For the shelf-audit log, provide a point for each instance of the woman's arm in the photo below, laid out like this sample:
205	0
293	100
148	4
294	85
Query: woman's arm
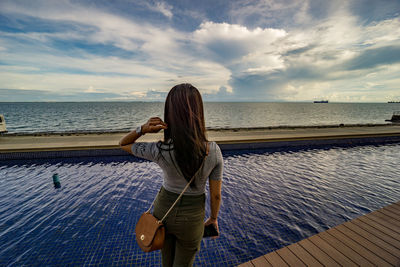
215	202
153	125
127	141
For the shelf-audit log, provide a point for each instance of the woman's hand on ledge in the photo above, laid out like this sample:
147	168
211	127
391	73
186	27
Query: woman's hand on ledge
153	125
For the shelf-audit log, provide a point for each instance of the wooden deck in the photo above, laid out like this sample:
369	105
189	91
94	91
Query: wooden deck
370	240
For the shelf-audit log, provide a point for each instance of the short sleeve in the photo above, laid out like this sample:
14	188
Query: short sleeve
217	171
147	151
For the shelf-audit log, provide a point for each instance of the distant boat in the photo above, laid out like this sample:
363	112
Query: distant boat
393	101
321	101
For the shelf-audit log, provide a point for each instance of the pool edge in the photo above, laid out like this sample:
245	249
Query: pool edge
243	144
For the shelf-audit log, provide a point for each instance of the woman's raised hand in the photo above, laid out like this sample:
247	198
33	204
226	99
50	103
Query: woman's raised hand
153	125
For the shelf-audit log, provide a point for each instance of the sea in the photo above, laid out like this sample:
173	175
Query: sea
62	117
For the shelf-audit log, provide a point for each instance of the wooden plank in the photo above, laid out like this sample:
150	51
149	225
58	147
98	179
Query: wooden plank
381	235
383	228
302	254
321	256
275	260
383	219
395	215
345	250
372	257
260	262
370	240
378	241
289	257
394	210
367	244
390	214
246	264
331	251
395	205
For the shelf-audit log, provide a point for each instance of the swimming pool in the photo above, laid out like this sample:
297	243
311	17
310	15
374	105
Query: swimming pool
270	199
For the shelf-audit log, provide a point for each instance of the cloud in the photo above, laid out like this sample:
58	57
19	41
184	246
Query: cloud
95	25
230	42
223	94
255	87
300	50
374	57
371	11
18	95
288	14
331	59
161	7
156	95
256	50
154	49
262	13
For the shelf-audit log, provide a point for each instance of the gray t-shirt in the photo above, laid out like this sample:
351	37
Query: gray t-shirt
173	179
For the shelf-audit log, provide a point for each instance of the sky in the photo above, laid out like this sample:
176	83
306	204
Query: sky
246	50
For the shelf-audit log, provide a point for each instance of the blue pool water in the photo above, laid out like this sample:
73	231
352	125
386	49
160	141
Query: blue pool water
270	199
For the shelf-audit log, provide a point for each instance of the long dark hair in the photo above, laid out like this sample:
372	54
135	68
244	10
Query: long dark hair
184	116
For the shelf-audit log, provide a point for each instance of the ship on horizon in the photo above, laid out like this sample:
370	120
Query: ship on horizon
321	101
393	101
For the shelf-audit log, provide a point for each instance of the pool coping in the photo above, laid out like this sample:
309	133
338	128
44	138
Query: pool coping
81	145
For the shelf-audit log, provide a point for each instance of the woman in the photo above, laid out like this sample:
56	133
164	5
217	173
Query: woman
180	156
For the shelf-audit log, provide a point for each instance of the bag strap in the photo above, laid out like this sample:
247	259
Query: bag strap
184	190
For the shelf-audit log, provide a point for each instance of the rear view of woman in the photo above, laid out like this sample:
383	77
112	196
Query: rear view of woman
184	153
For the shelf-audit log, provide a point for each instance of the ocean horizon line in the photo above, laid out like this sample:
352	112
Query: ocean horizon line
205	101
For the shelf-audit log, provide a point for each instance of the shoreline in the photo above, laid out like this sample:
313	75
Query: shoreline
226	129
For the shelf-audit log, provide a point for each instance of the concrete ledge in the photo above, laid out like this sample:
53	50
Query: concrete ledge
240	144
106	144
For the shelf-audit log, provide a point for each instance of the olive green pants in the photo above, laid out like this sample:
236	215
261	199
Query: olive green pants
184	227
